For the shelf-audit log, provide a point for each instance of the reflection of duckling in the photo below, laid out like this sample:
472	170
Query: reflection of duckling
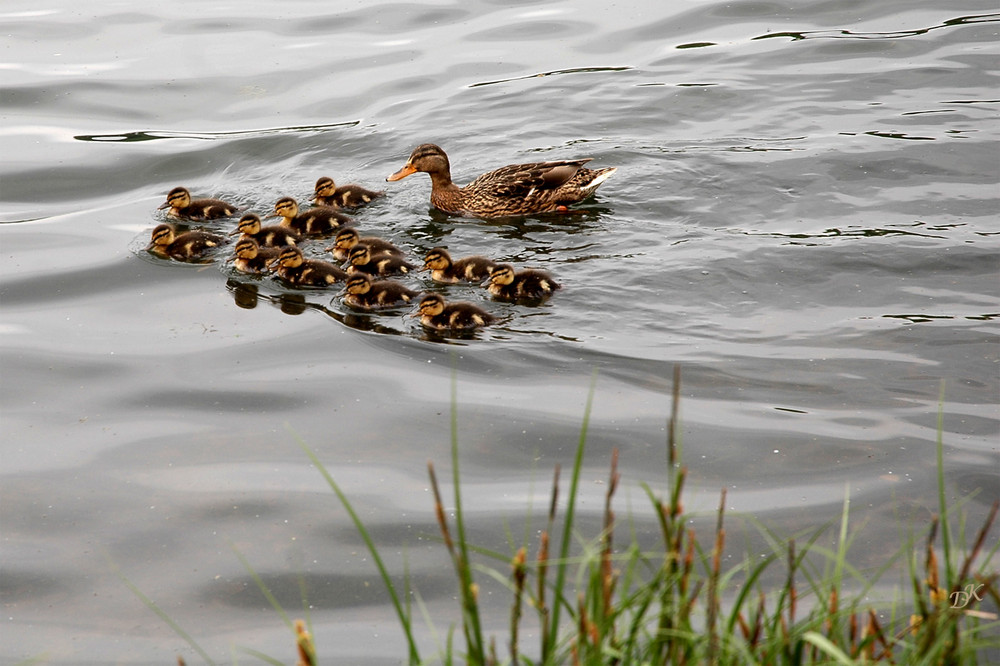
313	222
437	314
532	285
443	269
368	294
272	236
187	246
349	237
181	205
250	257
345	196
363	261
295	269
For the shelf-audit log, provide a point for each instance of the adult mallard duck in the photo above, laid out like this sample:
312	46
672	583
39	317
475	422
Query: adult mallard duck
457	316
312	222
328	193
186	246
276	235
518	189
295	269
364	293
347	238
181	205
466	269
530	285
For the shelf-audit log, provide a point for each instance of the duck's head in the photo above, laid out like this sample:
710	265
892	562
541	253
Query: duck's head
246	248
431	305
325	187
285	207
290	257
162	236
501	274
357	284
346	239
178	197
437	259
359	255
427	158
249	224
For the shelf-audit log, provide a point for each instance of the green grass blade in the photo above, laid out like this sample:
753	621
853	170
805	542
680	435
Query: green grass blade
828	648
263	587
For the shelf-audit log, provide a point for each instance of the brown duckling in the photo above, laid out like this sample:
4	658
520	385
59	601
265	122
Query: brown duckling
186	246
518	189
250	257
364	261
295	269
526	285
466	269
440	315
181	205
367	294
313	222
272	236
347	238
328	193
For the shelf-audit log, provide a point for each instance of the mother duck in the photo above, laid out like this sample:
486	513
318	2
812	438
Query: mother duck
517	189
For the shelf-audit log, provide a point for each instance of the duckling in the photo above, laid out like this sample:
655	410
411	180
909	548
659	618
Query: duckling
250	257
186	246
468	269
349	237
295	269
344	196
273	236
364	261
367	294
435	313
313	222
530	285
181	205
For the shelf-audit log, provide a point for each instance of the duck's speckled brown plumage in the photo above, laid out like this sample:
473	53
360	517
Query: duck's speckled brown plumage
186	246
518	189
364	293
272	236
467	269
311	222
527	285
328	193
181	205
457	316
295	269
348	238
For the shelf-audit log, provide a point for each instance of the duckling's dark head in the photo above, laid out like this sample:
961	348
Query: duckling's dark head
358	283
179	197
249	224
437	259
431	305
163	234
286	207
246	248
360	255
502	274
325	186
290	257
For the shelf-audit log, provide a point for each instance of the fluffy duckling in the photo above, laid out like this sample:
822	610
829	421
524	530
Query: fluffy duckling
347	238
344	196
250	257
181	204
466	269
363	260
366	294
295	269
186	246
272	236
313	222
458	316
527	285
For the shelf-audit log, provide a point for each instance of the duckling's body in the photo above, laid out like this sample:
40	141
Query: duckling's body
250	257
364	261
367	294
466	269
349	237
271	236
328	193
296	270
317	221
457	316
181	205
186	246
506	284
518	189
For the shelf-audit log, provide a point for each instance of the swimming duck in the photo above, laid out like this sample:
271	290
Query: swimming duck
273	236
250	257
181	205
526	285
518	189
186	246
313	222
364	261
295	269
347	238
367	294
467	269
345	196
435	313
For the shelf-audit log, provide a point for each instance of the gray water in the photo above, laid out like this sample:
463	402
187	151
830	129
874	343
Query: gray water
804	218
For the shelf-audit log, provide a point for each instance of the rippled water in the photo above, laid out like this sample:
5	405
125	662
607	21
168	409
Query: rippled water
804	218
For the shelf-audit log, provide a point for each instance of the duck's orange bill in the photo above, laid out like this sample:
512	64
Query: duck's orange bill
402	173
